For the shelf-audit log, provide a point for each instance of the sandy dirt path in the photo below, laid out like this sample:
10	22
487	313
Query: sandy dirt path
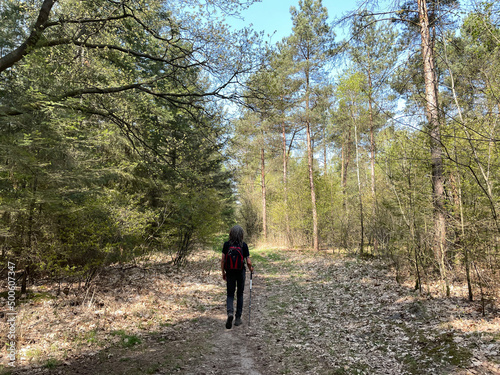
236	350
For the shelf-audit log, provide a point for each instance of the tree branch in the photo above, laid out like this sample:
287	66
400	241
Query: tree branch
88	20
128	51
16	55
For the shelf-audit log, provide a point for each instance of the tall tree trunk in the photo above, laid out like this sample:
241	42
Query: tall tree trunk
372	162
343	241
343	173
361	214
458	195
310	162
285	184
324	152
346	154
263	184
311	185
432	112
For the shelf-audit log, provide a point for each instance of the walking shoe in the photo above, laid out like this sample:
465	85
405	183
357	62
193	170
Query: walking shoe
237	322
229	322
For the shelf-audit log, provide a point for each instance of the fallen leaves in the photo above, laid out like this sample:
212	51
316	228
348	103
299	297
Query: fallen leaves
312	313
149	297
333	314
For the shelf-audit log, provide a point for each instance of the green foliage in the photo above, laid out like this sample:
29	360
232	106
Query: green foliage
51	363
110	143
127	341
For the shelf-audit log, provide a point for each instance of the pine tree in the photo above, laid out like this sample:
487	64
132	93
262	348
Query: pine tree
311	43
372	49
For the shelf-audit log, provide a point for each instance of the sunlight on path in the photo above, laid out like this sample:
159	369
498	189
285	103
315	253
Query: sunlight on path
233	351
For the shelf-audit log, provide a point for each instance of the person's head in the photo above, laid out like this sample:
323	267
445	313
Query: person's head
236	234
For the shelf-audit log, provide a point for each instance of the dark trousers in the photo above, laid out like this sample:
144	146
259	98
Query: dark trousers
235	282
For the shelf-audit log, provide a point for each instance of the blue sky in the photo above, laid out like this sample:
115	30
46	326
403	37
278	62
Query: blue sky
274	15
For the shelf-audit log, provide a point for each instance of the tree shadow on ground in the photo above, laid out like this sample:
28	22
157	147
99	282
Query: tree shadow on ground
170	351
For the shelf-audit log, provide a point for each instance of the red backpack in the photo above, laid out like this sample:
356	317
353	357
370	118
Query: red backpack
234	258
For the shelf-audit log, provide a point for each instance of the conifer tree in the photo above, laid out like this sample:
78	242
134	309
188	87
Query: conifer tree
311	43
372	49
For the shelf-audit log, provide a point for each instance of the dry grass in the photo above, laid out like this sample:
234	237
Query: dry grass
121	305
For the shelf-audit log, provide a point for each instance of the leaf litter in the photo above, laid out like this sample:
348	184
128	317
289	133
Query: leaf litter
312	313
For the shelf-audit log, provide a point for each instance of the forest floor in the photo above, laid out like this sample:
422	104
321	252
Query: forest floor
311	313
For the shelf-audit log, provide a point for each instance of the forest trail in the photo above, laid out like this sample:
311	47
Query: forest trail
234	351
312	313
